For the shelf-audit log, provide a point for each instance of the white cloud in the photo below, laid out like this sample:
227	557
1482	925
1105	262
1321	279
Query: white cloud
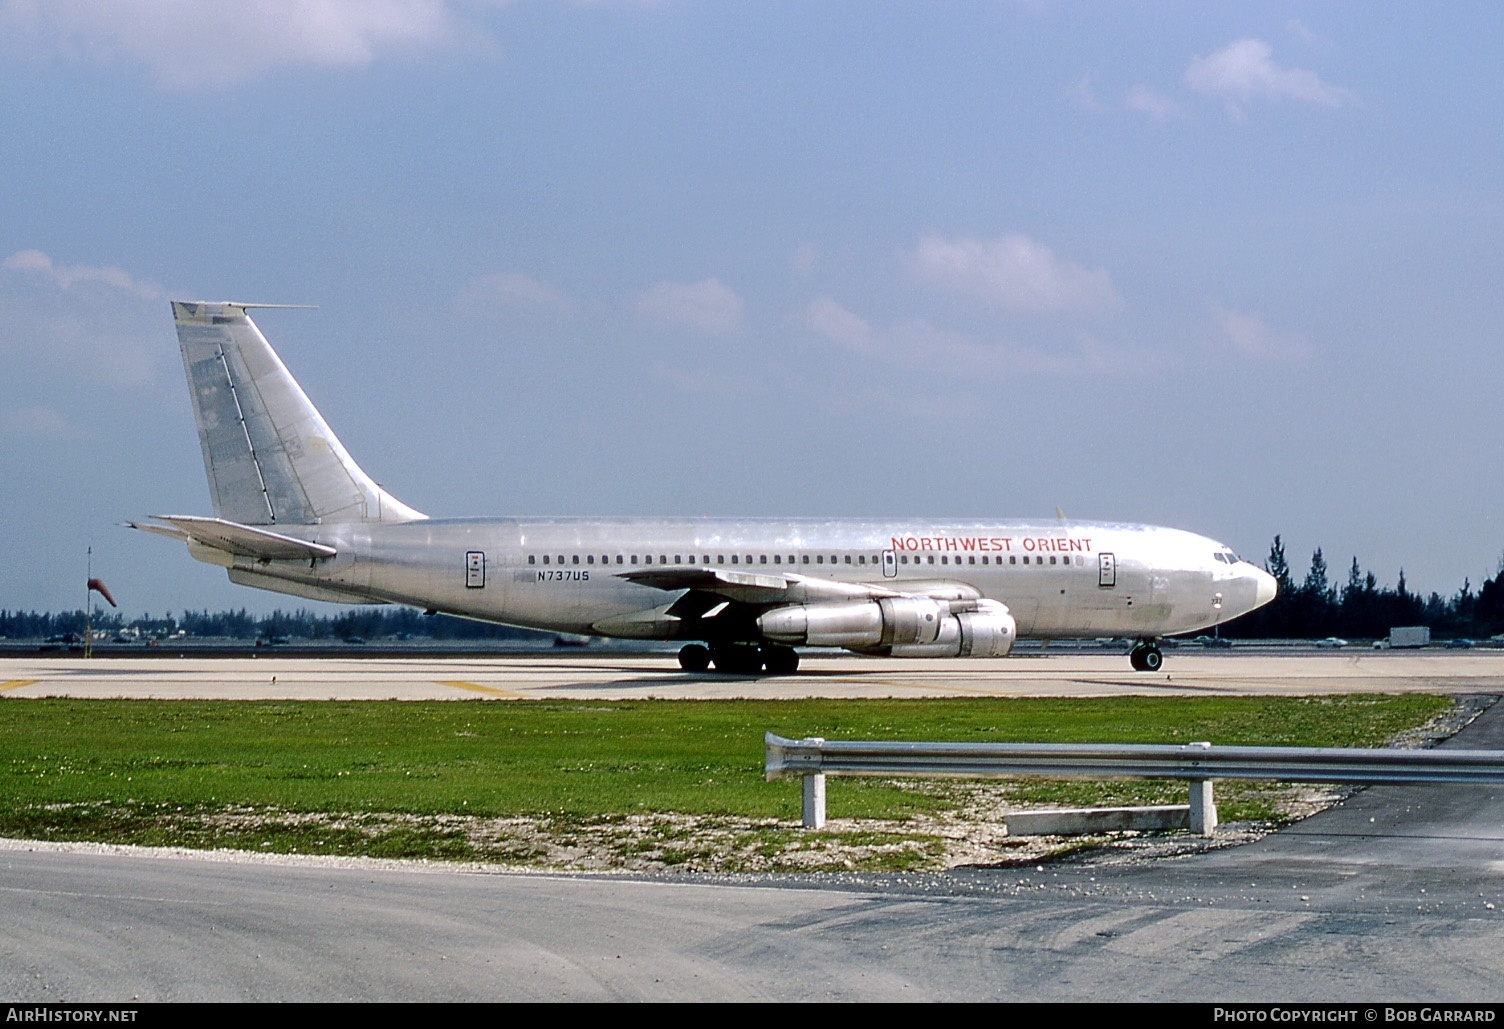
35	421
189	43
1083	94
1245	70
1013	272
829	319
518	291
1153	103
67	276
1246	334
1140	99
1298	30
98	322
919	344
708	306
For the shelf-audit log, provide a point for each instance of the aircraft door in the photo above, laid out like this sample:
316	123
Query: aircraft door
475	569
890	564
1107	571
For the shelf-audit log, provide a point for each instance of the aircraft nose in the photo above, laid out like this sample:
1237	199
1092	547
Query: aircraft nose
1264	587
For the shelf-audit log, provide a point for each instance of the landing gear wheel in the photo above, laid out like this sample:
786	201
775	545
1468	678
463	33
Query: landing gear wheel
737	659
694	657
780	660
1146	657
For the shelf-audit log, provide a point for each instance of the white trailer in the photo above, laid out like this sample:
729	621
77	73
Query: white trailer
1410	636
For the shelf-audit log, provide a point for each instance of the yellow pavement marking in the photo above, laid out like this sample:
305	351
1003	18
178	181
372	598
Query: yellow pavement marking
478	688
15	684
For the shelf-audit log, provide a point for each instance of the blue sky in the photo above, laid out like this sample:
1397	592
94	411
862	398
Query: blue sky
1232	268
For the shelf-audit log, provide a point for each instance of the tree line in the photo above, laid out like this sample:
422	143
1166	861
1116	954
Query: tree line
365	622
1317	607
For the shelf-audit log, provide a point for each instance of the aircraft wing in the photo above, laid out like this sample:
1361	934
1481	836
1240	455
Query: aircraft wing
234	538
761	588
749	587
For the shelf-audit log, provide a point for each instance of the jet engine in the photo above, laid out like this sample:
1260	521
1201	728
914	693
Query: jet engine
986	630
902	626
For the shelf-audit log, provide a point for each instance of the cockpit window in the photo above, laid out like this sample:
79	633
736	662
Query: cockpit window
1226	557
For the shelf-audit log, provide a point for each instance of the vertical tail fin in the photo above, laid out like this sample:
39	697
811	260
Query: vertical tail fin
270	456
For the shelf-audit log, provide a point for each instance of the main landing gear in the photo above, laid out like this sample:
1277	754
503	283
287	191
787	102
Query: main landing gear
740	658
1146	657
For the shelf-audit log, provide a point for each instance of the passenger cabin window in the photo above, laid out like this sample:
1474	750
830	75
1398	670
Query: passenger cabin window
531	560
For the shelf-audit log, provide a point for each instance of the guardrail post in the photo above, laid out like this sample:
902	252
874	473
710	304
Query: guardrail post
814	801
1203	808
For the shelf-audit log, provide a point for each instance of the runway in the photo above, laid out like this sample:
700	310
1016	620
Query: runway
1396	894
614	676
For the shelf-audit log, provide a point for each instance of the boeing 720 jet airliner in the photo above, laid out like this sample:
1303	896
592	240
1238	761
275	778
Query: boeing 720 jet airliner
295	514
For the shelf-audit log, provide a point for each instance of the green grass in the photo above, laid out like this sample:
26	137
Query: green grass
404	779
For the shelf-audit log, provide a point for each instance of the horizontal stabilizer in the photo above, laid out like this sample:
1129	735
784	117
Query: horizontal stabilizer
237	539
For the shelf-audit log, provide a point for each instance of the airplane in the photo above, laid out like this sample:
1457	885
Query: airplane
295	514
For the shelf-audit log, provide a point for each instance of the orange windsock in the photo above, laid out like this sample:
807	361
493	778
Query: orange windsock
103	591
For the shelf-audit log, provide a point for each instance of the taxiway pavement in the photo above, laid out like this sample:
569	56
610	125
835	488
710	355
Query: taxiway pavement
637	676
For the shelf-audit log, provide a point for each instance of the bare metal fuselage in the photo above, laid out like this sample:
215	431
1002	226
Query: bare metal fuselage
1158	582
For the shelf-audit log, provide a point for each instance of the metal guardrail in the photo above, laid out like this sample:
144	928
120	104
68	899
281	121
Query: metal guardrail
1198	763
